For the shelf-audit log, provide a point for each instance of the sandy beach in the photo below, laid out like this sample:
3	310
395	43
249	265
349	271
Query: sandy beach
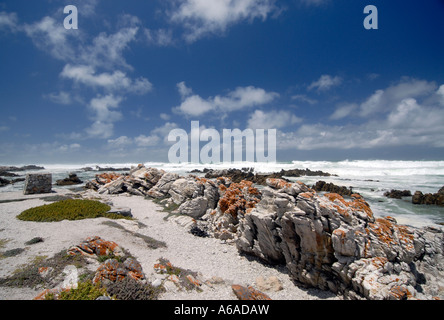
209	256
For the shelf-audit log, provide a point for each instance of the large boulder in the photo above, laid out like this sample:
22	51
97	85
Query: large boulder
38	183
162	187
185	188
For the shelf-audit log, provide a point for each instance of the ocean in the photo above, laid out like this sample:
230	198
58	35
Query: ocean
369	178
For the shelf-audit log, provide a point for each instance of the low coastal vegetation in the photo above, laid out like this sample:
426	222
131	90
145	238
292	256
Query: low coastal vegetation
70	209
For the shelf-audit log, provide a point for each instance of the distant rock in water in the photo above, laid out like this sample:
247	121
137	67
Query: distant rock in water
429	198
237	175
4	182
330	187
24	168
397	194
71	180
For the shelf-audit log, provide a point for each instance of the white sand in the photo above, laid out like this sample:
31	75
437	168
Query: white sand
208	256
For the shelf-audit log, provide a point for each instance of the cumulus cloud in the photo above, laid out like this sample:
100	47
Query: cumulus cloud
117	80
404	121
240	98
154	138
106	50
103	116
385	100
325	82
49	36
272	120
204	17
9	21
344	110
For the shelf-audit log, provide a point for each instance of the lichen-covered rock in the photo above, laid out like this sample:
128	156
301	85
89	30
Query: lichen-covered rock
234	202
96	246
114	270
37	183
248	293
334	244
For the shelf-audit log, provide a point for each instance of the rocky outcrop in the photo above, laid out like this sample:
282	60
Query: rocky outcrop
397	194
237	175
70	181
23	168
429	198
4	182
338	245
325	241
330	187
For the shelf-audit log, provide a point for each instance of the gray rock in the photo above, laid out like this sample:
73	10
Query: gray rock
38	183
163	186
194	208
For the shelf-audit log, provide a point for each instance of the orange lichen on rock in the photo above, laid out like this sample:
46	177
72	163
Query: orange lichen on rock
238	197
346	207
248	293
95	246
400	293
107	177
307	195
278	183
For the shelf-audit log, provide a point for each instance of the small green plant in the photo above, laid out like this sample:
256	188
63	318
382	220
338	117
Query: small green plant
85	291
70	209
11	253
34	241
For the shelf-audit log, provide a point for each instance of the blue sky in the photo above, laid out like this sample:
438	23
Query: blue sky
113	89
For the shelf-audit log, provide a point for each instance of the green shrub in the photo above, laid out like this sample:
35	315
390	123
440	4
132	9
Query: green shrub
71	209
85	291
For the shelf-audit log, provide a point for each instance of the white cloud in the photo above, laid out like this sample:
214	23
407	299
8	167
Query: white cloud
314	2
156	136
272	120
147	141
69	148
385	100
240	98
49	35
106	51
120	142
8	21
343	111
103	116
160	37
304	98
405	122
110	81
165	116
244	97
87	7
4	128
325	82
204	17
61	97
